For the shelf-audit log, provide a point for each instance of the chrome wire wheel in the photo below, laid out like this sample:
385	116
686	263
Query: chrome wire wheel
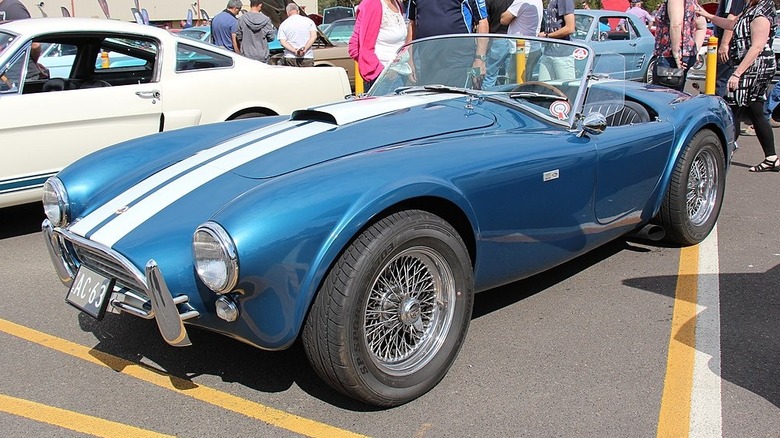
702	187
409	311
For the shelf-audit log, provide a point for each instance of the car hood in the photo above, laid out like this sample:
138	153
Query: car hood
333	131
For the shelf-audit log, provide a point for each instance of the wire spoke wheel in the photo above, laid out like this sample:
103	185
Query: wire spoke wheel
702	187
393	311
693	200
409	311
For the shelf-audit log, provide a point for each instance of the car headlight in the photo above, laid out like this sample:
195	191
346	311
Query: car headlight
55	202
216	259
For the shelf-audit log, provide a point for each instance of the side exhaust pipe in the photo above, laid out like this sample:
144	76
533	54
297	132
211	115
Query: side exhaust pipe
650	232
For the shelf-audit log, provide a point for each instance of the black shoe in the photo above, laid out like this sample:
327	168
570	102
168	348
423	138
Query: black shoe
767	166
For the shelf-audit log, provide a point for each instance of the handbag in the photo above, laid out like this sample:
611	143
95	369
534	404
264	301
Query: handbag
671	77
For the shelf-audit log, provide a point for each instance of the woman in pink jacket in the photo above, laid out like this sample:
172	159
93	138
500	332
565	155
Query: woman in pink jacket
380	30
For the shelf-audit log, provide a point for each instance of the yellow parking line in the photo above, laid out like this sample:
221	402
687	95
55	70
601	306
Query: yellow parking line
71	420
148	374
674	418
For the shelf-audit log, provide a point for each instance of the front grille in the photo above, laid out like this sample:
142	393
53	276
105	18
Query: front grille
109	265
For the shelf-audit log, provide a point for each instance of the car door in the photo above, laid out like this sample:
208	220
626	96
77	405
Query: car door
43	131
611	36
643	44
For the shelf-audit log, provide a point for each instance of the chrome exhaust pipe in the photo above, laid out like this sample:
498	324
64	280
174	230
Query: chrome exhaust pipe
651	232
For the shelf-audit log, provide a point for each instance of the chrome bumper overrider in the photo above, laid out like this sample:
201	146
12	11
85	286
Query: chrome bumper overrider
140	294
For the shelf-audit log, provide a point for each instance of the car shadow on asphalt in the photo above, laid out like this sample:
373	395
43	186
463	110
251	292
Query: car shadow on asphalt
21	219
138	341
494	299
749	315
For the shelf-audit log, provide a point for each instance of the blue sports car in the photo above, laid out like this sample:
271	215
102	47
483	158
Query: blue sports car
365	227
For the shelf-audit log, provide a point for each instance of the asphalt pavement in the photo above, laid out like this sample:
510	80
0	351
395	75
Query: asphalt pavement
586	349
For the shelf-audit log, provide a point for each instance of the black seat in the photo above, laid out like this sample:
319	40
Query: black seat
94	83
55	84
620	113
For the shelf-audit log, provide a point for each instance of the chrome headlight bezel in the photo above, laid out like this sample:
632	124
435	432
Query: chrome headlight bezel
215	257
55	202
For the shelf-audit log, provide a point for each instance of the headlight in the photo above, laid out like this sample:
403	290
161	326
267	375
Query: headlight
216	260
55	202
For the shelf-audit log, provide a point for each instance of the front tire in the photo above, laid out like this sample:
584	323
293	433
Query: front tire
692	202
393	312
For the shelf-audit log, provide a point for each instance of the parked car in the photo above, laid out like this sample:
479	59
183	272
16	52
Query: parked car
326	54
621	33
340	31
365	227
198	33
154	82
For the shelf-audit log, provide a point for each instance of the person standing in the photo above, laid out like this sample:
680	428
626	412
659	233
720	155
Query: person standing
499	49
558	24
675	45
728	9
380	30
225	25
297	34
450	65
636	9
254	32
13	10
524	18
751	51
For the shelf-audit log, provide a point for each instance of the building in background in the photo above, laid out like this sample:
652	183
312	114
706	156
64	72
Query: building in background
160	12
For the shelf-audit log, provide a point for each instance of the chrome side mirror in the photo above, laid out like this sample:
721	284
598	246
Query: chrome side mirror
594	123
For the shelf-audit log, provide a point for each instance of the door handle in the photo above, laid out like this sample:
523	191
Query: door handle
154	94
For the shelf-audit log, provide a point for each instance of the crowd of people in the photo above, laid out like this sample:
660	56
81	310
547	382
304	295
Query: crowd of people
745	28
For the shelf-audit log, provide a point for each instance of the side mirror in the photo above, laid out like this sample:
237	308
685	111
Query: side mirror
594	123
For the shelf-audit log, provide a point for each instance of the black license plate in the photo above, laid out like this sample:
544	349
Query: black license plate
90	292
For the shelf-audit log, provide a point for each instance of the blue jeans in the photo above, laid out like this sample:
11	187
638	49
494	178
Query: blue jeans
772	102
497	60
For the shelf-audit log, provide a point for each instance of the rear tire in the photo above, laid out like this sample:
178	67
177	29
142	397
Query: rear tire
693	201
249	115
393	312
650	71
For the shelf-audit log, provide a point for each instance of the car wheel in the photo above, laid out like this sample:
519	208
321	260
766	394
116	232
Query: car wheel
650	70
693	200
249	115
394	310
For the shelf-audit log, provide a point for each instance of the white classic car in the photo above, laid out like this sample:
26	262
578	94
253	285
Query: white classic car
155	82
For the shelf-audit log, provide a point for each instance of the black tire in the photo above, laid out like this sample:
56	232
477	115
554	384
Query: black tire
650	71
383	336
249	115
692	202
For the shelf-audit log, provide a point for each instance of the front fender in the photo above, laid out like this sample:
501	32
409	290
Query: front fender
286	246
707	113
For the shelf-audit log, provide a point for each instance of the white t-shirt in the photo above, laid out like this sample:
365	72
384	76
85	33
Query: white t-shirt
528	17
296	29
392	35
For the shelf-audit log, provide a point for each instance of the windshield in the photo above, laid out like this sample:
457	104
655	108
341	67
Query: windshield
544	75
5	40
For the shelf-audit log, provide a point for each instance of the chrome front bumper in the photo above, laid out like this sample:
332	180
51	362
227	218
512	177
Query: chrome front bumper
140	294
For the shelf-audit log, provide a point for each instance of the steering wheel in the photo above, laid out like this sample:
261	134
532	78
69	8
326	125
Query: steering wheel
540	87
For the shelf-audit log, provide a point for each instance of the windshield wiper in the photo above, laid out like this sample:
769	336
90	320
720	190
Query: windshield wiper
437	88
535	94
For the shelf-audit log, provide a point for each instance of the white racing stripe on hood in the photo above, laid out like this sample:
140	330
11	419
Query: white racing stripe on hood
359	109
169	193
125	199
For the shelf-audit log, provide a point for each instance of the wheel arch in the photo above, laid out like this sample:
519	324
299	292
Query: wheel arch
451	207
252	110
709	122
